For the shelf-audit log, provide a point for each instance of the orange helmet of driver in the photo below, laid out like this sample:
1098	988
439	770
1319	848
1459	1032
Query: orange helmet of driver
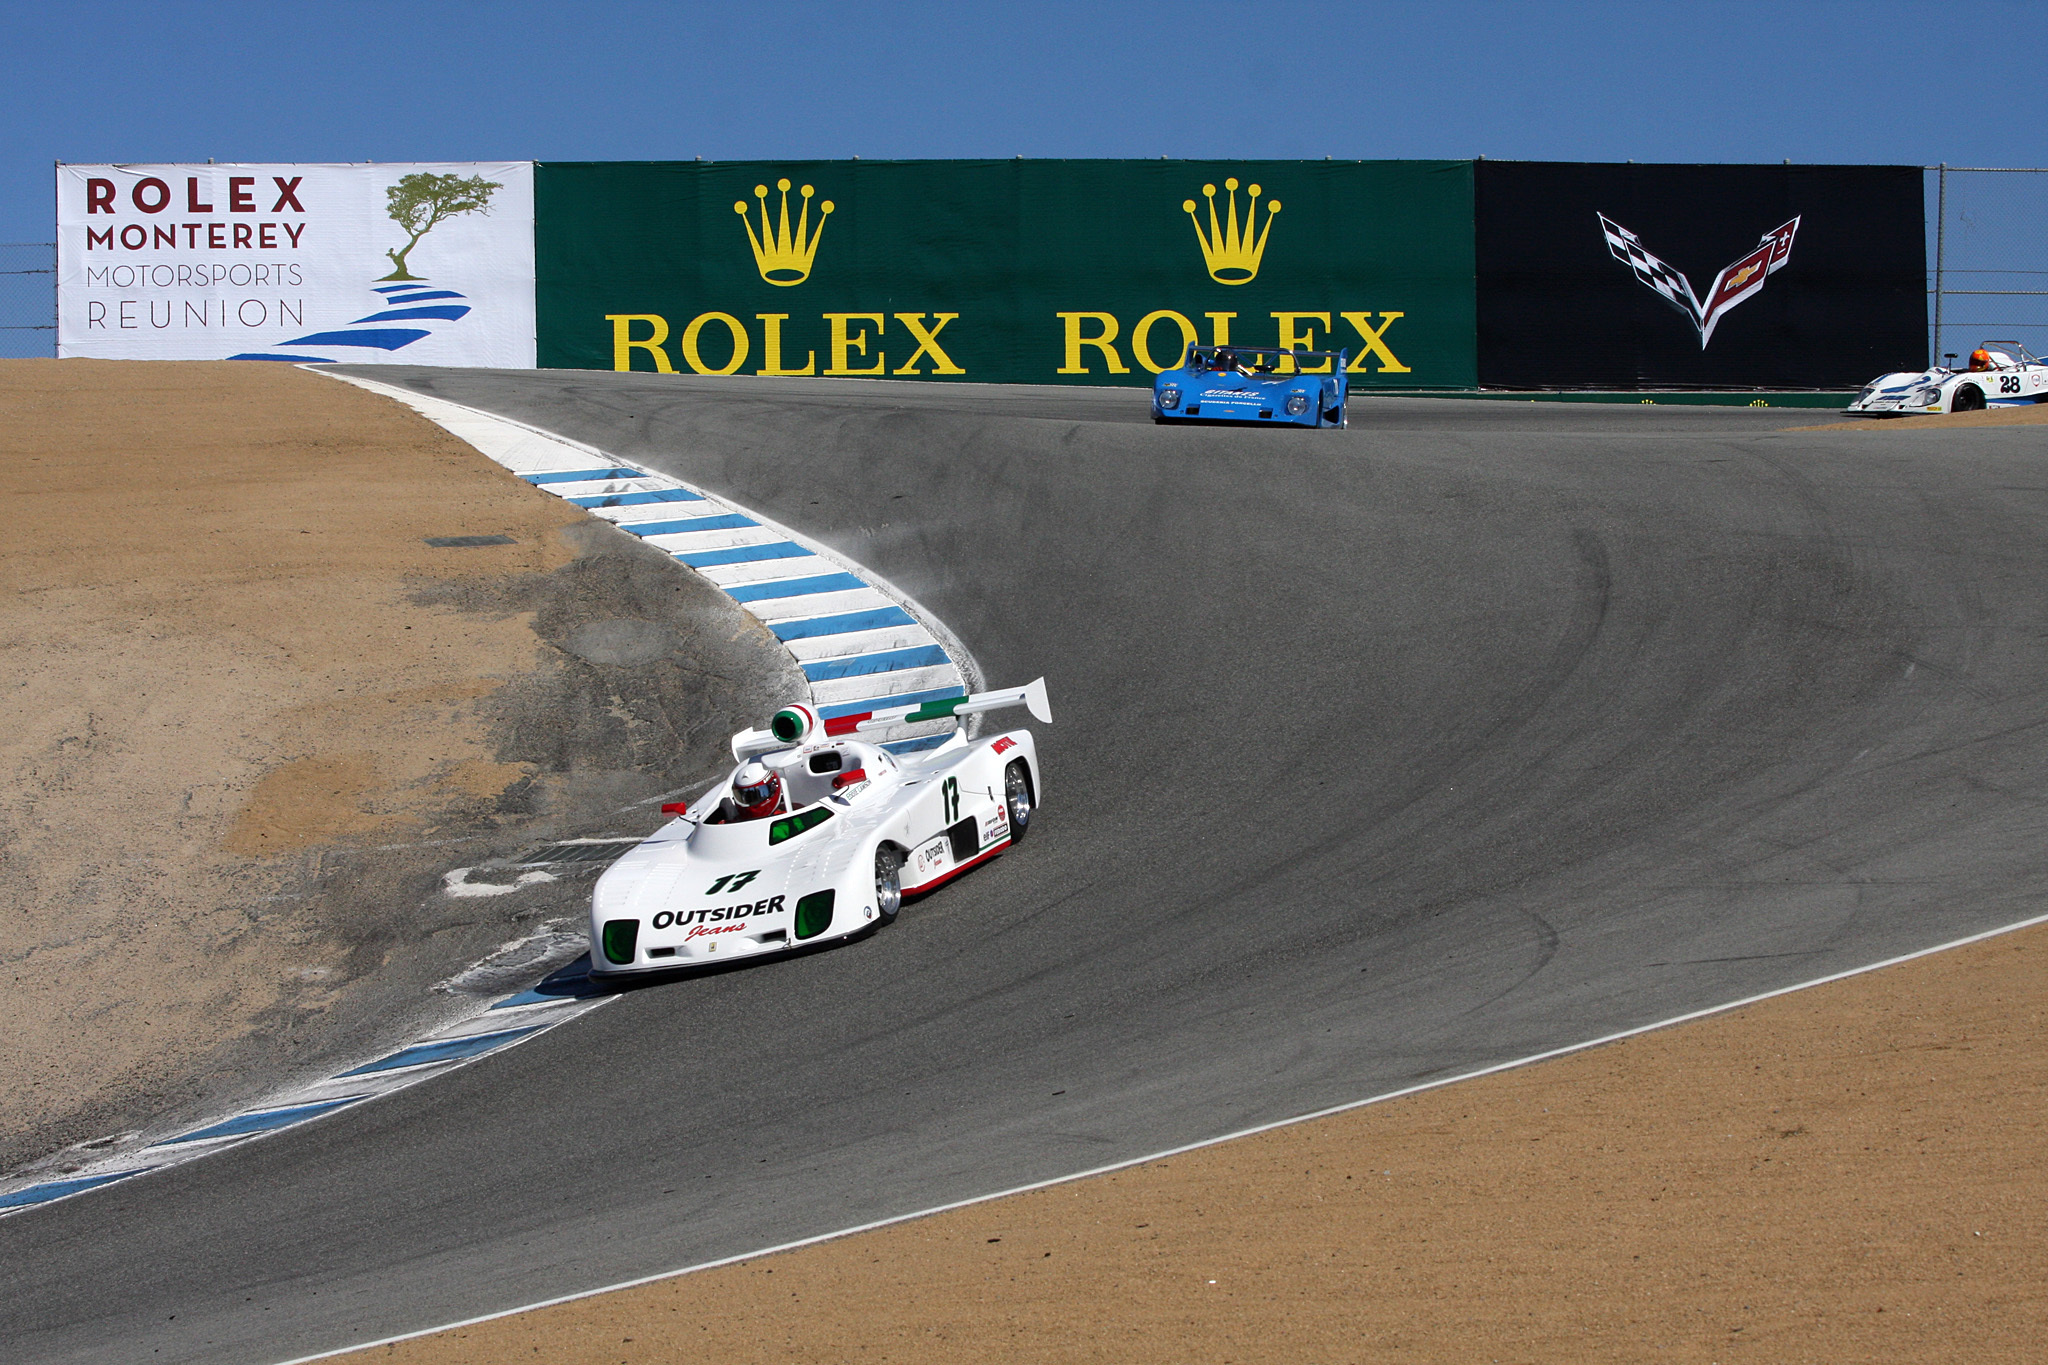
1980	359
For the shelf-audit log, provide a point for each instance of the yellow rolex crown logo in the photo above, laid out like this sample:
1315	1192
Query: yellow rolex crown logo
780	257
1232	255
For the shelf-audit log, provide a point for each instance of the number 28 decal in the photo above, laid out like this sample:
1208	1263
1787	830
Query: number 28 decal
2008	383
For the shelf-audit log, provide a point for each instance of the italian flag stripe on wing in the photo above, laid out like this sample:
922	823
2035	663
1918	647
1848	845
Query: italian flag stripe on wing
1032	697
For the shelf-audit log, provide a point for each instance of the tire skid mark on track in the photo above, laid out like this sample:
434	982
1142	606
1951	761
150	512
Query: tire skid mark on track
504	1023
861	642
1403	1092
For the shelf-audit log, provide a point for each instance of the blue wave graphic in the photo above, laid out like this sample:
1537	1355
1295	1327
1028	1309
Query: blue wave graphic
395	304
448	311
384	339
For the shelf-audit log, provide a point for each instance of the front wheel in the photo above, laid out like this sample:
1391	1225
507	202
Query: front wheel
1969	398
1017	799
888	883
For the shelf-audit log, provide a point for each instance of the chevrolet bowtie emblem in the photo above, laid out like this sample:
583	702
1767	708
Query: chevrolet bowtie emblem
1734	284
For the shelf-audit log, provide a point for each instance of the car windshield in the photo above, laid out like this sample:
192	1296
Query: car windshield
2010	353
1248	359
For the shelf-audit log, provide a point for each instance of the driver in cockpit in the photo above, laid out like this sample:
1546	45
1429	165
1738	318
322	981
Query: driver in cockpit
756	793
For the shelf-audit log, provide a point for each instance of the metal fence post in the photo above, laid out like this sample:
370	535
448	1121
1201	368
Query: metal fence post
1940	245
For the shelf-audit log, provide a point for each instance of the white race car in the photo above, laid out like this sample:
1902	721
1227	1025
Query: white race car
855	830
2012	376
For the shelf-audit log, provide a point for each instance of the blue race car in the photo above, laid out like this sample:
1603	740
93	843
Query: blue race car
1261	384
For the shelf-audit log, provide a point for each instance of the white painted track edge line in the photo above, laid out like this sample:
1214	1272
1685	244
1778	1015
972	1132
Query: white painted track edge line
1129	1162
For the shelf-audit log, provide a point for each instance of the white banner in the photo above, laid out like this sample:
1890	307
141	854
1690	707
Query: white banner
426	263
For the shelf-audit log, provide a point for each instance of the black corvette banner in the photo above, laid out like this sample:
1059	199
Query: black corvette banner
1598	276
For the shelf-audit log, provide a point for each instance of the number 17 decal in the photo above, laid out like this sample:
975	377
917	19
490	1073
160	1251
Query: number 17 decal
731	881
949	794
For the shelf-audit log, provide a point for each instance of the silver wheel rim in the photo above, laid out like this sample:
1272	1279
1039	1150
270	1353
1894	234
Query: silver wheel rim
888	885
1019	793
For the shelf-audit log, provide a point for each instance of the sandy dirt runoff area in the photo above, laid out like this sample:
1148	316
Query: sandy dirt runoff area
2036	415
250	722
1854	1172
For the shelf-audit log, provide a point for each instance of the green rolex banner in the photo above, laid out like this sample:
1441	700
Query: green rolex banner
1011	272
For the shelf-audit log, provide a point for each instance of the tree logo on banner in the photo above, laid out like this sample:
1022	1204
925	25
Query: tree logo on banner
1734	284
423	199
783	259
1231	254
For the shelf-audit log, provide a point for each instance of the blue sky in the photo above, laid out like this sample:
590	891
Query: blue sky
1879	82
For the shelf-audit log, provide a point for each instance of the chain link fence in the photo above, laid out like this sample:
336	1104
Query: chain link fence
1987	259
28	299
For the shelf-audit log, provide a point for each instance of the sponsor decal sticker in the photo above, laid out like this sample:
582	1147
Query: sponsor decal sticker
678	918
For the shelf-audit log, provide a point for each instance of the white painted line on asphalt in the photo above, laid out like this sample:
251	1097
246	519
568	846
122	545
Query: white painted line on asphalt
1185	1148
931	658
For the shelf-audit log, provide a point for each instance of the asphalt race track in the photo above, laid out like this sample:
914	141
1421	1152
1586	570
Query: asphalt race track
1475	730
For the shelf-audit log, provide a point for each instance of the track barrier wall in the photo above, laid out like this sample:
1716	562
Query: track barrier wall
415	263
1698	277
1036	272
1435	275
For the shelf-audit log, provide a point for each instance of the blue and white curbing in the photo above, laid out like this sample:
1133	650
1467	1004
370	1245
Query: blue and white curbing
514	1019
861	643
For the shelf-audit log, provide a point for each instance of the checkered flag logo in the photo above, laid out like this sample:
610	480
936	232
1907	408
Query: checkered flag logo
1734	284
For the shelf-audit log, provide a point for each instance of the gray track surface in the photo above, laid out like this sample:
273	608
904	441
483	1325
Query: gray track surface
1472	731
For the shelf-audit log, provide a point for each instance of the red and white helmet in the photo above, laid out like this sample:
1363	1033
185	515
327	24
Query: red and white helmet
756	789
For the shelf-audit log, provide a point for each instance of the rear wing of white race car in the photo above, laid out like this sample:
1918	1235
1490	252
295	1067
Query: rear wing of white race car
793	725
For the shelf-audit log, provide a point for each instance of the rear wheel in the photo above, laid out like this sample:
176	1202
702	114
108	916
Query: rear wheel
1969	398
1018	799
888	883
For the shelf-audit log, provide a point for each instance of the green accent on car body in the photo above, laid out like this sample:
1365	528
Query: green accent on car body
935	710
814	914
788	726
789	826
621	936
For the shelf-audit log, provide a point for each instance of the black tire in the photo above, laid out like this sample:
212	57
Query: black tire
888	883
1019	801
1969	398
